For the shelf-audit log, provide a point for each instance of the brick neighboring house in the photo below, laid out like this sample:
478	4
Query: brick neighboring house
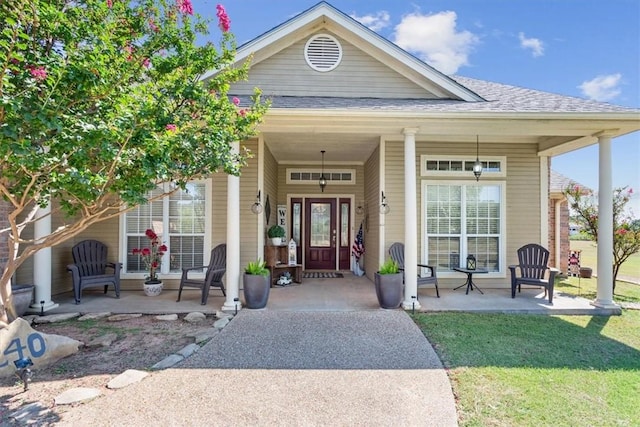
559	220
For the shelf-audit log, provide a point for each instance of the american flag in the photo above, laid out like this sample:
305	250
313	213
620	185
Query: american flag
358	245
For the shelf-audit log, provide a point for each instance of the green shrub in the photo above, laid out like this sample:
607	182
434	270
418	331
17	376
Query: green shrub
275	231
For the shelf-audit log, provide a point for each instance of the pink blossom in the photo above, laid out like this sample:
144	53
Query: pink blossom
109	4
171	128
630	191
243	112
185	6
146	62
153	25
621	232
223	19
236	100
145	252
38	73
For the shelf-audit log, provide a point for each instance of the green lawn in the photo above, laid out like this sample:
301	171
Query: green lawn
525	370
588	258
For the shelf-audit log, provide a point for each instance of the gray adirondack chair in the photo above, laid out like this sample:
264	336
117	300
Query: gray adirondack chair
89	268
396	252
213	276
532	266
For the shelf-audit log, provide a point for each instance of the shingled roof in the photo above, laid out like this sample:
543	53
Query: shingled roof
500	98
558	182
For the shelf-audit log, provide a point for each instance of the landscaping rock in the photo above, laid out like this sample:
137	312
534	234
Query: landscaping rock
195	317
221	323
94	316
54	318
168	317
76	395
102	341
42	349
126	378
30	414
204	335
120	317
168	362
189	350
223	315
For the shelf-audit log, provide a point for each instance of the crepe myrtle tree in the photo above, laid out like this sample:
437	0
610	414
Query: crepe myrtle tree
102	101
626	233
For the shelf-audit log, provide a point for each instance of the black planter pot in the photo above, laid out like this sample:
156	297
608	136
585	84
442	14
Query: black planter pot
389	289
22	298
256	290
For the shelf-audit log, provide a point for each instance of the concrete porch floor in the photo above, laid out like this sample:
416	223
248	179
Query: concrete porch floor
350	293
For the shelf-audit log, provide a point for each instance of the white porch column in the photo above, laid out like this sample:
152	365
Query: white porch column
42	264
232	301
410	222
604	295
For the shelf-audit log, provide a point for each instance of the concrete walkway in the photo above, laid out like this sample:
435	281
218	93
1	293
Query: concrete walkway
311	368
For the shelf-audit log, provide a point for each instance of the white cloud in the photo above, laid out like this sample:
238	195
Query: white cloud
435	39
602	88
374	22
536	45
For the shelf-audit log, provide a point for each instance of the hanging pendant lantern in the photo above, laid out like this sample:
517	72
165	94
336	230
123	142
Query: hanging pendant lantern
323	181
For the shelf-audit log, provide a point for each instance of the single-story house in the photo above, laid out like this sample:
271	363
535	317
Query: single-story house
396	141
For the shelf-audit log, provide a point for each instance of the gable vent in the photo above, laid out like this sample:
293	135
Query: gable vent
323	52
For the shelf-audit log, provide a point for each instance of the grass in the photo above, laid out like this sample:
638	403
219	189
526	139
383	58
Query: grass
588	258
523	370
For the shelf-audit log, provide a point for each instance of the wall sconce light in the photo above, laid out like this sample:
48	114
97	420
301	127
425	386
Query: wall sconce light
256	208
477	166
360	210
384	206
323	180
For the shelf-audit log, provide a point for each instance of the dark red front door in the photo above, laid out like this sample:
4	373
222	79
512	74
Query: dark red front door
320	234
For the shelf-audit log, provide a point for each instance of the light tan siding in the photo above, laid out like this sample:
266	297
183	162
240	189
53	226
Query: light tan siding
248	220
522	191
287	74
372	219
394	192
270	189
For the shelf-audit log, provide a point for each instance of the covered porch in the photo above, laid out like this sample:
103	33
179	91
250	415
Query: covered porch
350	293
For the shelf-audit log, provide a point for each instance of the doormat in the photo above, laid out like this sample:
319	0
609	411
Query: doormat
321	275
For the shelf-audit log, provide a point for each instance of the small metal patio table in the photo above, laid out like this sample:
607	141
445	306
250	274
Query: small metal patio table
469	283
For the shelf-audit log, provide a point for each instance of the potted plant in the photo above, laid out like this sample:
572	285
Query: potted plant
276	233
152	258
257	282
389	284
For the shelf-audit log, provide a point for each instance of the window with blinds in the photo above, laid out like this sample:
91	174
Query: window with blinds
464	219
180	221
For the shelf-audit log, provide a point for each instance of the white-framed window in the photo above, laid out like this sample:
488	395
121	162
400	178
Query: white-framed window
308	176
462	166
181	220
462	218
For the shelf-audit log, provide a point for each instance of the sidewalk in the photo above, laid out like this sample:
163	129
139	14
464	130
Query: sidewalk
292	368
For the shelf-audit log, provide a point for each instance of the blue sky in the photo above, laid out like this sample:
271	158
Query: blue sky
584	48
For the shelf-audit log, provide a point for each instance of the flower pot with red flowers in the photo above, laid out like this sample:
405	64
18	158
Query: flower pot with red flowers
152	258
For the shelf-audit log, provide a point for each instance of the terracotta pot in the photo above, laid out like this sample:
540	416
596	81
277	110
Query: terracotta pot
585	272
389	289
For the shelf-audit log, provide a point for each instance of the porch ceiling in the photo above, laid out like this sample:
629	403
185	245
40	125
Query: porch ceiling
298	137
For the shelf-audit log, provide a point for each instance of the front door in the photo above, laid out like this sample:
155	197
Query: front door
320	234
